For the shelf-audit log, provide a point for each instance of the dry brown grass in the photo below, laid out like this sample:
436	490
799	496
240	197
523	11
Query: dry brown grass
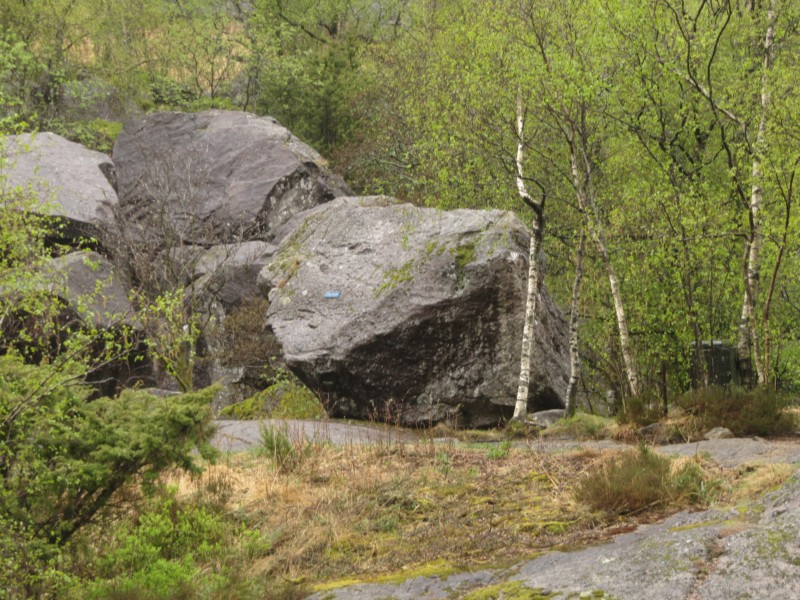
357	513
363	512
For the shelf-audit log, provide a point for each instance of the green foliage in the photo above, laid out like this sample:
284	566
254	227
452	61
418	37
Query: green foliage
172	330
16	66
63	457
634	481
760	411
95	134
176	547
166	529
500	451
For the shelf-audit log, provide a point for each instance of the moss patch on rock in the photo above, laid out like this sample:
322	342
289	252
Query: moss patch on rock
282	400
463	255
394	277
513	590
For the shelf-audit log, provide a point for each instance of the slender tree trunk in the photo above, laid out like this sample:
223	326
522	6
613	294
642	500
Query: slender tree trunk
534	273
622	322
587	204
754	260
743	343
574	356
788	194
528	330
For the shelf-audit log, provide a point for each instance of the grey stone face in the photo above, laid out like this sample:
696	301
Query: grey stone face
398	313
218	176
93	289
67	178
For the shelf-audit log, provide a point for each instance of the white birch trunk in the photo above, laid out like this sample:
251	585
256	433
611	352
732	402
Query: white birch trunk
753	272
587	204
529	329
574	356
534	275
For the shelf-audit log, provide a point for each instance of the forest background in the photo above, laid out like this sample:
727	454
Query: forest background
656	142
666	132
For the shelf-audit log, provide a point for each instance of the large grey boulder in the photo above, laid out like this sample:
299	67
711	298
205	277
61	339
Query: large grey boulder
69	180
414	315
217	176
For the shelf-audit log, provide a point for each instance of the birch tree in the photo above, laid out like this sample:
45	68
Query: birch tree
726	56
579	81
534	268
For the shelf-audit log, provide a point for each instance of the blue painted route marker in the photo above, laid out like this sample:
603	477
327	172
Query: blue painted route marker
332	295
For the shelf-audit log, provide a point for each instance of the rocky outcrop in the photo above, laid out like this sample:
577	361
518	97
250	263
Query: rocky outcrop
228	273
217	176
414	315
386	310
92	289
69	180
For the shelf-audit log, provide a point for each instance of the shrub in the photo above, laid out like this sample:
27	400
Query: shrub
166	529
758	412
635	481
63	457
641	410
582	426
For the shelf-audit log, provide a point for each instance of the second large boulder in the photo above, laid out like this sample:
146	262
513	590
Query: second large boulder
411	315
217	176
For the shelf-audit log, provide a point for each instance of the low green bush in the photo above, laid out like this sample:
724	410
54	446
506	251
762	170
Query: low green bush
166	529
65	457
635	481
644	409
760	411
173	547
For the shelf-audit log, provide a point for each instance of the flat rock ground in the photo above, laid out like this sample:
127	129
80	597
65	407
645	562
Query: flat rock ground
743	553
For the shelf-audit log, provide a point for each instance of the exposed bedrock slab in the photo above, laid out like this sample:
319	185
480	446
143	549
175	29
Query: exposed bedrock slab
748	553
411	315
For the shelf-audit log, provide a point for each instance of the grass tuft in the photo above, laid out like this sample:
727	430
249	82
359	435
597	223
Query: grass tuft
635	481
582	426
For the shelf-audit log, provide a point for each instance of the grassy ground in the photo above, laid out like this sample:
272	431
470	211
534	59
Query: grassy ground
339	515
